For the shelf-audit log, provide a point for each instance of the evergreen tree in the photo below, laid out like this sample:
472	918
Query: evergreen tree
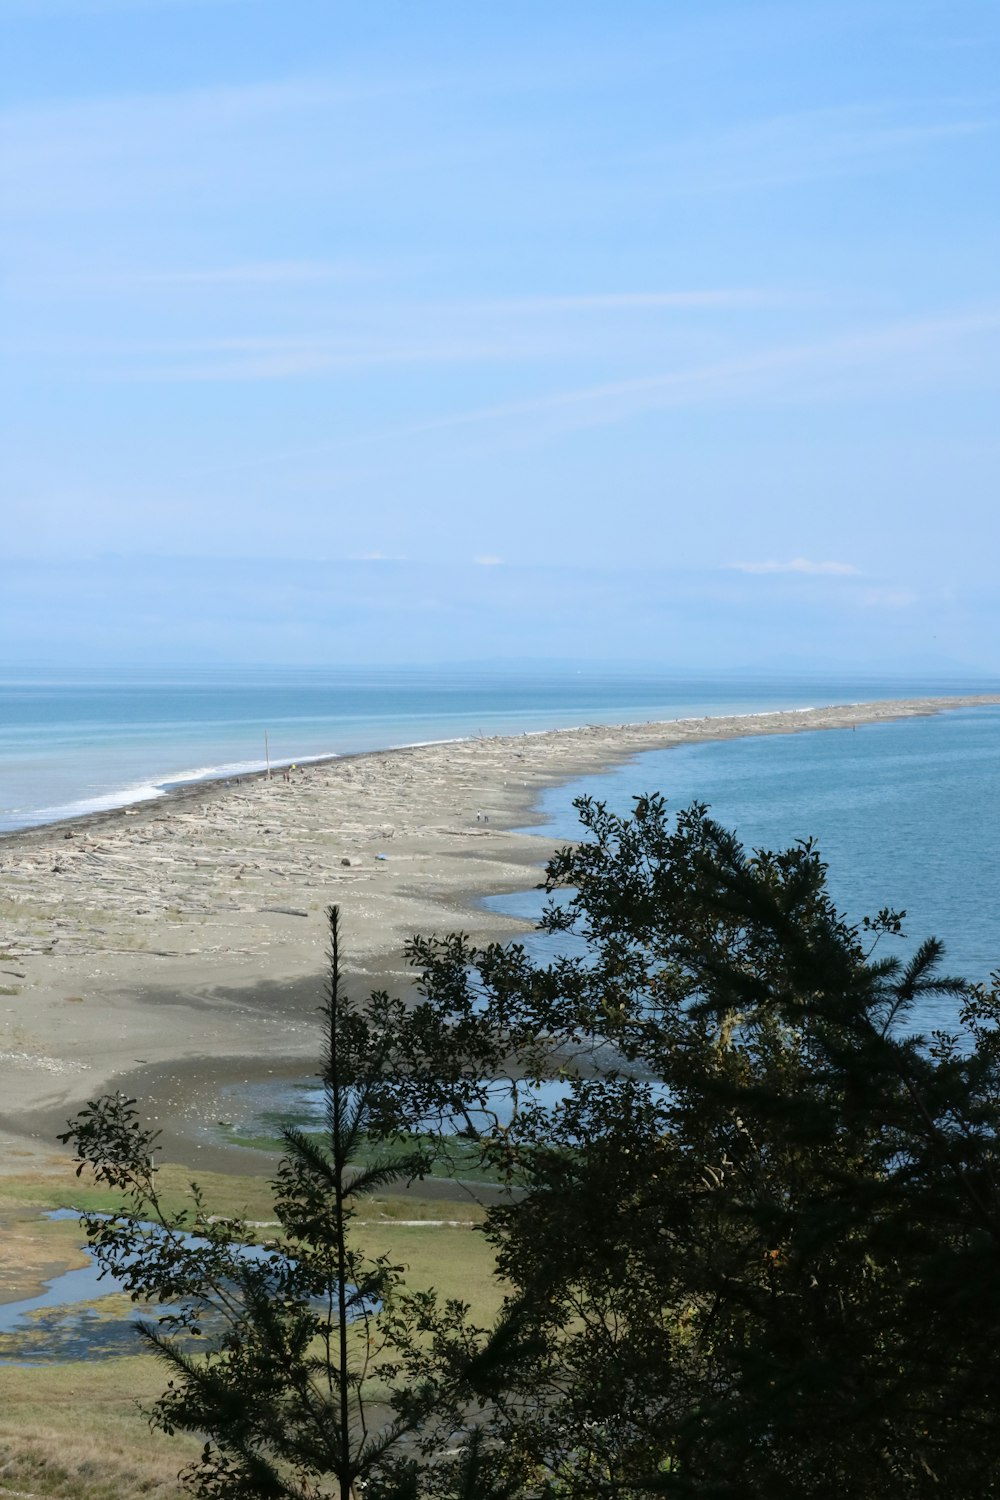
758	1242
752	1247
310	1368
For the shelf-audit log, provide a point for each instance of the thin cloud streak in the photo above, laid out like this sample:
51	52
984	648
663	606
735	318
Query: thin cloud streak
309	272
889	598
375	332
36	10
640	301
266	358
261	273
729	378
798	565
725	379
57	153
808	146
591	406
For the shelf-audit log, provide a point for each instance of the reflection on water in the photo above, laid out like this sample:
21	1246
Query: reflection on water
257	1113
62	1322
64	1333
495	1107
84	1315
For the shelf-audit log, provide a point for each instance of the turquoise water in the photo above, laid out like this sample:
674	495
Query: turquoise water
83	741
906	814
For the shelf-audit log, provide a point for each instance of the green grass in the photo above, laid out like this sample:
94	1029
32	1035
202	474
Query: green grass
228	1196
455	1261
454	1157
440	1249
75	1430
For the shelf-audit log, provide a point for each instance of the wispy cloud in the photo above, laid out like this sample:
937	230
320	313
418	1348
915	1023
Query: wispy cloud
798	565
719	297
812	145
253	274
831	367
262	141
888	598
757	375
371	331
487	560
279	359
42	9
761	375
316	272
67	276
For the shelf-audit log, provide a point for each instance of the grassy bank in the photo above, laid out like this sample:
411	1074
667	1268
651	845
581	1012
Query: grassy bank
76	1430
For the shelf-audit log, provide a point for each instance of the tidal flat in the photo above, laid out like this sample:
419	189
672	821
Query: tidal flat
176	950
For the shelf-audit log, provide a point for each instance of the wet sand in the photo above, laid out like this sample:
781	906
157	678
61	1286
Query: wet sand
178	947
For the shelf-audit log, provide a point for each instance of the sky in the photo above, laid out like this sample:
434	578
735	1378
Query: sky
421	332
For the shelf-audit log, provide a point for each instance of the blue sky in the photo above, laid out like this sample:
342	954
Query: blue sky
420	332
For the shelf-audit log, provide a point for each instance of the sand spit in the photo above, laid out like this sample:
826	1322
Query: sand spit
188	934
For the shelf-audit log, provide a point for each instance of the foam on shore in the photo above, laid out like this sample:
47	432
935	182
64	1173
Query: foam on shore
190	926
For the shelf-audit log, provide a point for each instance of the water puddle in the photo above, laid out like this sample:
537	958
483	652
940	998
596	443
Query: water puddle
82	1315
66	1320
254	1115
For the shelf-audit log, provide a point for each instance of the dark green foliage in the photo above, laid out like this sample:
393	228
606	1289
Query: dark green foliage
753	1251
306	1363
758	1246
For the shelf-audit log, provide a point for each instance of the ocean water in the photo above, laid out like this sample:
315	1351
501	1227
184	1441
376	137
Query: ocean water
80	742
906	815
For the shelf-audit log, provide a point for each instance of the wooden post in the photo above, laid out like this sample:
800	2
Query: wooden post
267	756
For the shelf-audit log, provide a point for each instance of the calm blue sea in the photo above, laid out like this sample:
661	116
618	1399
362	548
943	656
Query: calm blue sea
906	815
76	743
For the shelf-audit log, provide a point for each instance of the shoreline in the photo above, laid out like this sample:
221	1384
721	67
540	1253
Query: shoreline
185	935
180	788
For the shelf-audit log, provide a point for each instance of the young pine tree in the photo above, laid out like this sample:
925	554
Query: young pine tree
306	1363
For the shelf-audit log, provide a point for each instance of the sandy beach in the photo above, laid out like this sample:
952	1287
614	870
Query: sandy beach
177	948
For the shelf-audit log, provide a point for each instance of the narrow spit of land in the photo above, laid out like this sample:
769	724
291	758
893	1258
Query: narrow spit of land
184	938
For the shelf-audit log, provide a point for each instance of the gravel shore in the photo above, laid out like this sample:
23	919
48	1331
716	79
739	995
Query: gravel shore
187	936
